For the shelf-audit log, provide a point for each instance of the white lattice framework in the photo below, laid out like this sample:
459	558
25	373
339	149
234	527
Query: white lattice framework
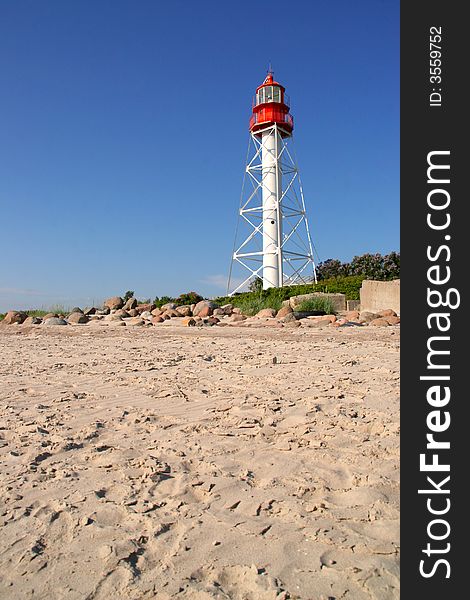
294	245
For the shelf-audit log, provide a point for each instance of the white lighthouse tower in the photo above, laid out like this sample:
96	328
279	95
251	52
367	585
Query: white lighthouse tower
273	239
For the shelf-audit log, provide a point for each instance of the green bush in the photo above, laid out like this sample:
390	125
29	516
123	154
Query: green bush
321	305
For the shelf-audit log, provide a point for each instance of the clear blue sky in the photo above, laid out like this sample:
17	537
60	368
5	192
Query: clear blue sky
123	136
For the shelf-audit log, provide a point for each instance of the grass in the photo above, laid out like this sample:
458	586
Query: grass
322	305
255	302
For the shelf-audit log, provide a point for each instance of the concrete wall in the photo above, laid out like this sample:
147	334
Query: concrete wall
379	295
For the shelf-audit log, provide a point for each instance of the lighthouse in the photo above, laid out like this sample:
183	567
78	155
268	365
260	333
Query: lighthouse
273	239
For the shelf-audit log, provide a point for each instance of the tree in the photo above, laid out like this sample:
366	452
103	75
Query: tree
129	294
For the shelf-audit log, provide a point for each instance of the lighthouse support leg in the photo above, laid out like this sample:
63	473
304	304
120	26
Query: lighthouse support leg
272	217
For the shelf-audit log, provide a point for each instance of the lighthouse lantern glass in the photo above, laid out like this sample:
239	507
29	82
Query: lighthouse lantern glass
268	94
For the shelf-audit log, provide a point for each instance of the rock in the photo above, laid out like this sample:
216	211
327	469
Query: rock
147	315
49	316
293	323
289	317
32	321
227	308
14	316
204	308
144	307
218	312
102	311
114	302
168	306
171	313
183	311
113	317
77	318
156	312
89	311
309	322
130	304
212	320
165	317
136	322
236	318
352	315
156	320
237	311
367	317
133	312
392	320
266	313
284	311
76	310
188	322
379	322
120	312
387	313
55	321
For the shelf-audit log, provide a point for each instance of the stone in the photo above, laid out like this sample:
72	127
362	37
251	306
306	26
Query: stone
102	311
289	317
168	306
156	312
147	315
183	311
120	312
49	316
55	321
32	321
367	317
213	320
14	316
236	318
388	312
293	323
114	302
218	312
113	317
133	312
77	318
309	322
156	320
172	313
352	315
266	313
188	322
165	317
237	310
89	310
392	320
284	311
136	322
379	322
227	308
76	309
130	304
204	308
144	307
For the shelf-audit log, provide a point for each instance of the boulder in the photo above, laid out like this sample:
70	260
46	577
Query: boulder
168	306
218	312
183	311
237	310
228	309
133	312
14	316
212	320
188	321
288	318
113	317
293	323
309	322
266	313
165	317
387	313
284	311
54	321
32	321
156	320
49	316
147	315
352	315
120	312
144	307
379	322
172	313
392	320
102	311
114	302
204	308
77	318
89	310
136	322
130	304
367	317
236	318
156	312
76	310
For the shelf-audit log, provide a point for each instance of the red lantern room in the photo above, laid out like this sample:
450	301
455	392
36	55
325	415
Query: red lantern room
270	106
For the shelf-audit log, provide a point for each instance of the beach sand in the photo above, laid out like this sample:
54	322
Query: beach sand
199	463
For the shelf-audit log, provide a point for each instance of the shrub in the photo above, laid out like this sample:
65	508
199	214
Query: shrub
370	266
188	298
163	300
321	305
128	295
